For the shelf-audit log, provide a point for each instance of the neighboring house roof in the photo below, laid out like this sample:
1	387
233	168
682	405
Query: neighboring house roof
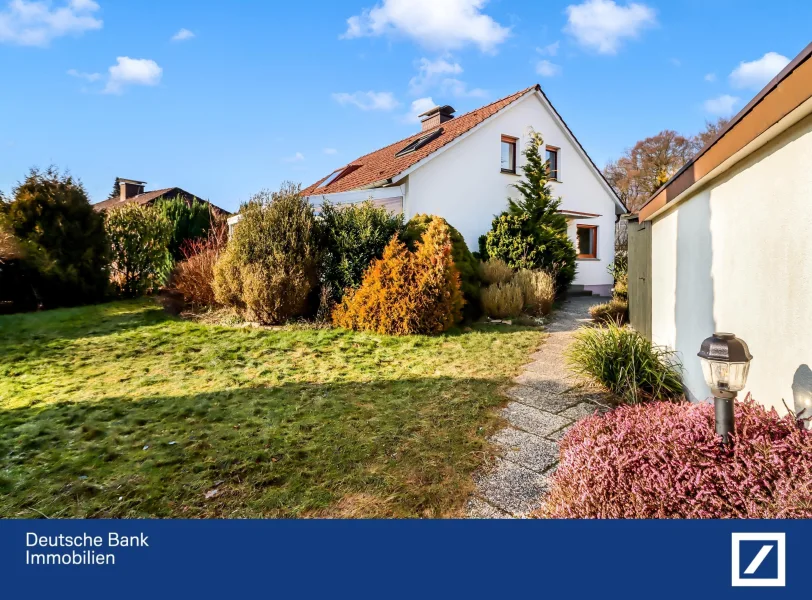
379	168
383	164
768	113
150	197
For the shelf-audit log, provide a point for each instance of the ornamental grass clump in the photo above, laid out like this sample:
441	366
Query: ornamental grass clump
407	292
495	270
538	291
502	300
625	363
664	460
615	311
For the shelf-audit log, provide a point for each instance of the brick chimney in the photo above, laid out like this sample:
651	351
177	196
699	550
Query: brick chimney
434	116
129	188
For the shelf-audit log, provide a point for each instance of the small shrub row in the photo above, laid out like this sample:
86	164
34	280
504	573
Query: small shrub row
502	300
511	293
625	363
664	460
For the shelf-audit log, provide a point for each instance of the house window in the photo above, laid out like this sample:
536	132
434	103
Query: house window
587	236
331	178
508	154
552	162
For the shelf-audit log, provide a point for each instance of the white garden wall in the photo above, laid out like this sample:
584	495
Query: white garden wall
737	256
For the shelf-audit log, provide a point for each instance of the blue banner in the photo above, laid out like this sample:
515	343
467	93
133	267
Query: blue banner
405	559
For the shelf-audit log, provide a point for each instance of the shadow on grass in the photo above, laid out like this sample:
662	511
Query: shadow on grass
399	448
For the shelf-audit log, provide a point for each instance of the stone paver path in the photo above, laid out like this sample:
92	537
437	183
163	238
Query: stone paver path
545	402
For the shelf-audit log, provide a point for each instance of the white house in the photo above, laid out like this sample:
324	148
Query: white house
463	168
730	245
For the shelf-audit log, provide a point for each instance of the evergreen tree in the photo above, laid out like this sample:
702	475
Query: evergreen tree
532	234
116	189
61	237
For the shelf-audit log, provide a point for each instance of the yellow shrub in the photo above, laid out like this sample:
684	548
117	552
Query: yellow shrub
538	291
495	270
407	292
502	300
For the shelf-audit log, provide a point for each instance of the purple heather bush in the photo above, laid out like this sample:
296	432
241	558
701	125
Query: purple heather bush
664	460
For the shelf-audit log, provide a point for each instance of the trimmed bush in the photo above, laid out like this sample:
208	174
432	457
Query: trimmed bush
625	363
495	270
538	291
664	460
615	311
532	234
62	252
190	221
464	261
407	292
139	236
270	266
502	300
194	275
353	235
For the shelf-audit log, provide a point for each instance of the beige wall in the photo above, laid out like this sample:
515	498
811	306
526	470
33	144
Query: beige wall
737	256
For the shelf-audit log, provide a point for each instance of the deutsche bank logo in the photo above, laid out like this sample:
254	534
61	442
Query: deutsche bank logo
759	560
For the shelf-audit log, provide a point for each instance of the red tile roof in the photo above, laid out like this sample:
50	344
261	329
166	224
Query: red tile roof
382	164
150	197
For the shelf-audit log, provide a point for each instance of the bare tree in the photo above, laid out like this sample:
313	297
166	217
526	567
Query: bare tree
651	162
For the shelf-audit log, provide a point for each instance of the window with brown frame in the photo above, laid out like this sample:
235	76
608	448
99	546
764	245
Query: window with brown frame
509	154
587	238
552	162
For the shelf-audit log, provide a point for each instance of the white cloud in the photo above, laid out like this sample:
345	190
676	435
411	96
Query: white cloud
460	89
132	71
297	157
549	49
756	74
710	77
330	151
367	100
721	106
435	24
602	25
183	34
438	74
32	23
430	72
419	106
91	77
547	69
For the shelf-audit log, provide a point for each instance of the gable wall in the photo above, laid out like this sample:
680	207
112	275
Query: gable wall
466	187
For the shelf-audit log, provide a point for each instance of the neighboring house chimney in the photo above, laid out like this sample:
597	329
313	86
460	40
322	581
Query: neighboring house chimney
130	188
434	116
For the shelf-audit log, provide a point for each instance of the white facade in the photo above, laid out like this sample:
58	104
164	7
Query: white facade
463	183
736	256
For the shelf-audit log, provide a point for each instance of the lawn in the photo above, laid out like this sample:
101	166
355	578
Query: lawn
121	410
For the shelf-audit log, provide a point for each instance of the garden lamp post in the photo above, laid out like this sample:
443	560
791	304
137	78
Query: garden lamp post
725	364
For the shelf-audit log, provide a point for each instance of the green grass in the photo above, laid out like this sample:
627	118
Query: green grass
120	410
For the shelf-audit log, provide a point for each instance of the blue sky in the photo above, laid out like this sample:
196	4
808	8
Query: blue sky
225	98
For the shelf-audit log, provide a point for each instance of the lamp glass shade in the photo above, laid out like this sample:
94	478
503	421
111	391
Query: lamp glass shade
726	376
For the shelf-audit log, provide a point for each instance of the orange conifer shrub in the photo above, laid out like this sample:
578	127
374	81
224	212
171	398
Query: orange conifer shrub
407	292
